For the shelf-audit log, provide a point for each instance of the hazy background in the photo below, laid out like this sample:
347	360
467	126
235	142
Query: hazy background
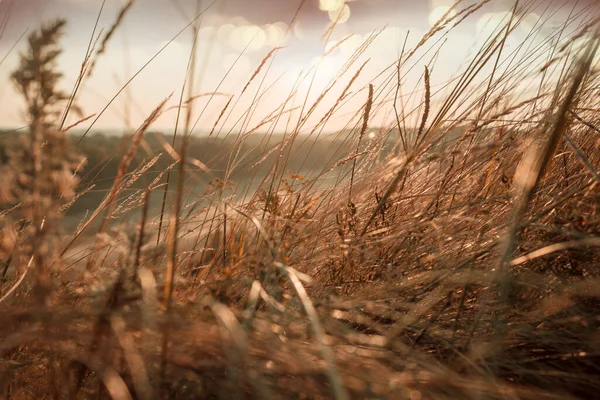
227	27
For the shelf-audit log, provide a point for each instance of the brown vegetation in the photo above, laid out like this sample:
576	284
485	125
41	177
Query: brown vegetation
459	264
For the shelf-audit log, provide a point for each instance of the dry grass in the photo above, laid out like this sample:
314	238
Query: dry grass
462	265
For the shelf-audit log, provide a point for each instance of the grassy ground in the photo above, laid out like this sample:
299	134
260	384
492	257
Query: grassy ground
460	265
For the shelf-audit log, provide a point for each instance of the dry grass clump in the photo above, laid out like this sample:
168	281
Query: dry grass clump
462	264
39	177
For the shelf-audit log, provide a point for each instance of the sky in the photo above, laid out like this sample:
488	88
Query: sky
233	39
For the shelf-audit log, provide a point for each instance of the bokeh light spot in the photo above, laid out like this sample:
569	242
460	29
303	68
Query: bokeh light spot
331	5
438	13
340	15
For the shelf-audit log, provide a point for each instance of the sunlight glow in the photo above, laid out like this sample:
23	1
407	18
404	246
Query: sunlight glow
385	46
374	32
438	13
530	22
173	53
225	32
491	22
242	65
326	69
277	33
340	15
252	36
299	31
331	5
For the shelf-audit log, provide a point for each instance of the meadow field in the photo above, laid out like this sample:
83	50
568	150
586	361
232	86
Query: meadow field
440	242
